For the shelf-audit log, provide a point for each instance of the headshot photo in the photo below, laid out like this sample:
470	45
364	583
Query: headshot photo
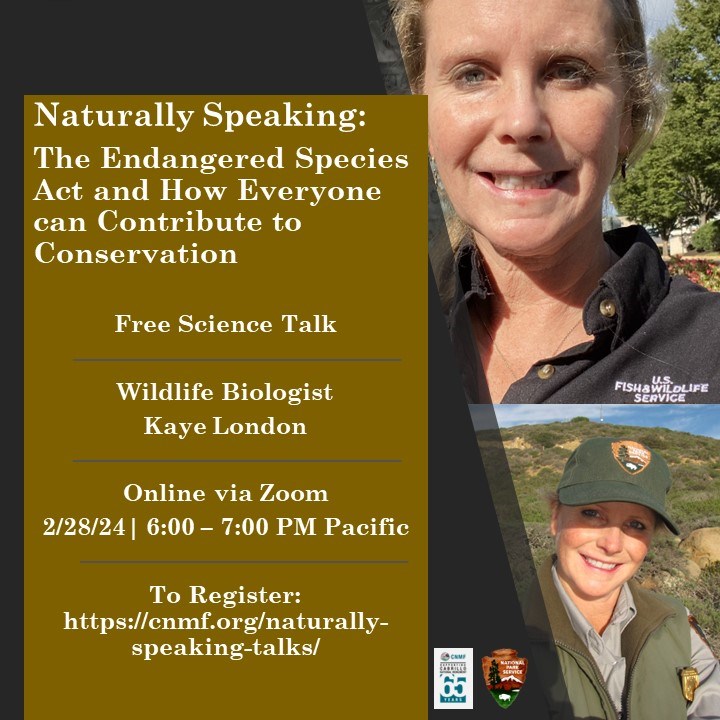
574	261
622	518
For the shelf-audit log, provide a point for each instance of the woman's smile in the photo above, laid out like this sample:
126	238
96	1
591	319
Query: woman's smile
600	565
523	182
511	183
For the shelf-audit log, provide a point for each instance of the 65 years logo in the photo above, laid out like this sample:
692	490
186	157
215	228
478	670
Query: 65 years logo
453	687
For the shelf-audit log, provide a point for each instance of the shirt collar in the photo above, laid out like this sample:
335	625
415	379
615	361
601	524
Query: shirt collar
635	285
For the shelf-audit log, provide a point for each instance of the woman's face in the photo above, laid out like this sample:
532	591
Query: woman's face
526	116
599	547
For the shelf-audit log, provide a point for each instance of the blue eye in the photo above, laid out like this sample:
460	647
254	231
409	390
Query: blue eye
471	75
637	525
587	512
474	76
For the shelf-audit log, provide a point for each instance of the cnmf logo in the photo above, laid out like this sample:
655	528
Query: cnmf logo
454	656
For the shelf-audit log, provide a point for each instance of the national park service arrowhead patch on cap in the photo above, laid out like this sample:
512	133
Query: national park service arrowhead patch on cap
632	456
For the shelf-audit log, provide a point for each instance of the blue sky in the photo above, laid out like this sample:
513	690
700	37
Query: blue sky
658	14
695	419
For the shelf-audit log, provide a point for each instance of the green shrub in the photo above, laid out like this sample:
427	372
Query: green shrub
544	438
707	237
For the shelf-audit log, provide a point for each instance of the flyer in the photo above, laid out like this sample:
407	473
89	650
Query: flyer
292	441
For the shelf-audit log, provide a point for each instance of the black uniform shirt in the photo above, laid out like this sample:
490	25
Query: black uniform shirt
656	337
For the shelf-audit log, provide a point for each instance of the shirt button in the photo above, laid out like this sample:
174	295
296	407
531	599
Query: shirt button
607	308
546	372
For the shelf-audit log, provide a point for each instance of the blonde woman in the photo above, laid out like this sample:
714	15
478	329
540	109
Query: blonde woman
625	652
534	108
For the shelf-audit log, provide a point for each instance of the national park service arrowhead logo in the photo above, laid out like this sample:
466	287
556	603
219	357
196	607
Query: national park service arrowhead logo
504	674
633	457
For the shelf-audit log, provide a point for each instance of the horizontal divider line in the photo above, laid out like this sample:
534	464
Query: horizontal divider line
232	460
248	360
244	562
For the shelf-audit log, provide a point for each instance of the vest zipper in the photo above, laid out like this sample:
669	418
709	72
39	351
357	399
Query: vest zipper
596	672
628	686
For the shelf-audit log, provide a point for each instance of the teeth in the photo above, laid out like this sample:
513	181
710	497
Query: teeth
515	182
600	565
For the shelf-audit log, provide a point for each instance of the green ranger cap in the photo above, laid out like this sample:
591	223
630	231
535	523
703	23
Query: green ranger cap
611	470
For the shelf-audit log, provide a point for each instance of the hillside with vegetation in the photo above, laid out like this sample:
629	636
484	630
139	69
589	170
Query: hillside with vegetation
536	455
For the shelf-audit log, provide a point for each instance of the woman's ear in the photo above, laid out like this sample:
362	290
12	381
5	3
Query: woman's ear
554	519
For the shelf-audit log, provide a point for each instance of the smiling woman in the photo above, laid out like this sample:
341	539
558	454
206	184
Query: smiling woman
624	651
533	110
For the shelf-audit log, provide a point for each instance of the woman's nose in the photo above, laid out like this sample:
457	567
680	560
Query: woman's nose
522	118
610	540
